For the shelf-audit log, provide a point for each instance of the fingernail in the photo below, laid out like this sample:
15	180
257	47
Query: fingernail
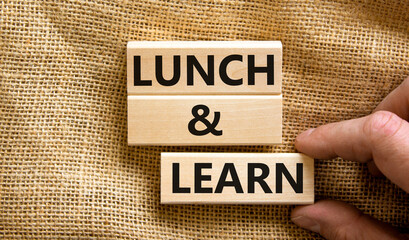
304	134
306	223
308	132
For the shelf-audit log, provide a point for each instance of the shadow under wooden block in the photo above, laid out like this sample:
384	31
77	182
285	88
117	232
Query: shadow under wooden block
237	178
204	120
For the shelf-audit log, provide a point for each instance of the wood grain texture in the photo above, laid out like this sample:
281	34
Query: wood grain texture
244	120
147	51
211	175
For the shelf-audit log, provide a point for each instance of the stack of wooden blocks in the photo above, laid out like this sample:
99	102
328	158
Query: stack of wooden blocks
215	93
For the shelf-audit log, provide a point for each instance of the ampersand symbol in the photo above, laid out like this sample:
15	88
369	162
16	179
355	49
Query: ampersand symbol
210	127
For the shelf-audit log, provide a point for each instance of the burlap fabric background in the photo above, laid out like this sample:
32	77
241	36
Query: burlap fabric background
66	169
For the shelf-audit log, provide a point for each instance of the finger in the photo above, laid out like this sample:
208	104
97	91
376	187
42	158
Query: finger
397	101
381	136
338	220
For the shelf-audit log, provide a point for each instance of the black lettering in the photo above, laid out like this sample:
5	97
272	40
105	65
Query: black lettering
296	185
137	81
210	127
229	167
252	70
207	77
176	179
265	171
159	71
199	178
223	70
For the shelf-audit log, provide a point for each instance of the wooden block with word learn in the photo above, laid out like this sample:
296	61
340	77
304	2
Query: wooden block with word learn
237	178
204	120
204	67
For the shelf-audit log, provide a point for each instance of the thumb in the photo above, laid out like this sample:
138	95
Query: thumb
337	220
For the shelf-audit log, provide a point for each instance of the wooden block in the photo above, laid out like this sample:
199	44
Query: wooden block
204	120
237	178
204	67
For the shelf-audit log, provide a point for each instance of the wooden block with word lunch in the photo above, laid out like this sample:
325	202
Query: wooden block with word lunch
237	178
204	120
204	67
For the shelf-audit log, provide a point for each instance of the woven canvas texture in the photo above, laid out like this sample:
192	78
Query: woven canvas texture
66	170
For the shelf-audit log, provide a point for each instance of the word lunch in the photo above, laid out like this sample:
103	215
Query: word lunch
204	93
236	178
209	76
187	68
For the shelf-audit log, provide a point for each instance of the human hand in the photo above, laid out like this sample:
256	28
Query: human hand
382	141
